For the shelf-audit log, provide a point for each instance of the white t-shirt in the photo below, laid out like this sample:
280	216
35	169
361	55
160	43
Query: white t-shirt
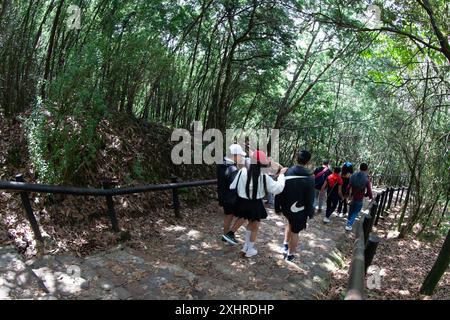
273	186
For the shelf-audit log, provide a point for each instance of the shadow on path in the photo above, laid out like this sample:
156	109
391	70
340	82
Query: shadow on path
188	262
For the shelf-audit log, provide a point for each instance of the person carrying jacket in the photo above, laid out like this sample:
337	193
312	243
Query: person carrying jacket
296	202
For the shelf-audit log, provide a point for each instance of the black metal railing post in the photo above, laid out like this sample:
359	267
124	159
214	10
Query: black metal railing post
396	199
383	209
389	199
401	196
176	200
380	206
29	212
369	220
110	203
370	250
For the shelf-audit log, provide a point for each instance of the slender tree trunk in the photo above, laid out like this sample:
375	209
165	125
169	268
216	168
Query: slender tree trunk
51	44
405	206
443	214
439	267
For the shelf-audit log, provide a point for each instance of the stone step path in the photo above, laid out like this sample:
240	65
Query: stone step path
188	262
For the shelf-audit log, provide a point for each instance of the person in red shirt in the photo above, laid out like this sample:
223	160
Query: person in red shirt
333	184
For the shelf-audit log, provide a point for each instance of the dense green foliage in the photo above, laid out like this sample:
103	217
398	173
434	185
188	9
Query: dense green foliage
334	77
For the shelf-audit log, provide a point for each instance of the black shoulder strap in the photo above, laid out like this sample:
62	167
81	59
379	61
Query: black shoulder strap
237	182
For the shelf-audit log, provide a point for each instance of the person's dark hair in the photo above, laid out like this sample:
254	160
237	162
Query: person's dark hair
325	162
363	167
337	170
347	168
253	175
303	157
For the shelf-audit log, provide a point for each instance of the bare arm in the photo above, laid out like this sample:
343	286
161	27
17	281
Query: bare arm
323	186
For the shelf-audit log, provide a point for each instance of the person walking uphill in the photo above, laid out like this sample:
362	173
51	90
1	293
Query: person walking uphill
251	186
359	188
333	184
226	172
296	202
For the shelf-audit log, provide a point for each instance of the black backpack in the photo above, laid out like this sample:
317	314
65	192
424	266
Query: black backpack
231	197
320	178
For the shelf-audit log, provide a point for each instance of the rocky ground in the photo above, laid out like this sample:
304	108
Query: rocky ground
401	263
185	260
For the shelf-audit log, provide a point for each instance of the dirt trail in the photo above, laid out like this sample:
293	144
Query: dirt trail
186	261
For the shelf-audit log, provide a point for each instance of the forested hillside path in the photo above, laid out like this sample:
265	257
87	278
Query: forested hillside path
188	261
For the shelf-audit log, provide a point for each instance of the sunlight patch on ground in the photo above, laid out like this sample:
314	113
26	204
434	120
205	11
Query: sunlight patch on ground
329	265
392	234
59	281
295	267
314	244
275	247
416	244
175	228
279	224
404	292
194	234
194	247
206	245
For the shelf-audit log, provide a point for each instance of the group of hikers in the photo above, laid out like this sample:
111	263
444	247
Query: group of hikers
243	184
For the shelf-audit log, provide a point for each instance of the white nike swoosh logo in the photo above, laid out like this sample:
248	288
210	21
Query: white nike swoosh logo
294	207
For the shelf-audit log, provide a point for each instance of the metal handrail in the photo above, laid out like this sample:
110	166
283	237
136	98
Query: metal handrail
366	243
45	188
108	191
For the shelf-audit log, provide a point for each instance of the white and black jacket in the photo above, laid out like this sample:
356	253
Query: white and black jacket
298	194
273	186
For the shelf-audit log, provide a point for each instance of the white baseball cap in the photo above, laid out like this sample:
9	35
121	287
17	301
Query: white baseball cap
237	149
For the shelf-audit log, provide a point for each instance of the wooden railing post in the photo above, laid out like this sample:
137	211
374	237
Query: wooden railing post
356	283
176	201
370	249
29	212
110	203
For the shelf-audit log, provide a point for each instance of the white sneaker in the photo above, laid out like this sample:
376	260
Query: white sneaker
326	220
245	248
341	215
348	228
251	252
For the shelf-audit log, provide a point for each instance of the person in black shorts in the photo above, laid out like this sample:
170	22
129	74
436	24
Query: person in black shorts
296	202
226	172
252	185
